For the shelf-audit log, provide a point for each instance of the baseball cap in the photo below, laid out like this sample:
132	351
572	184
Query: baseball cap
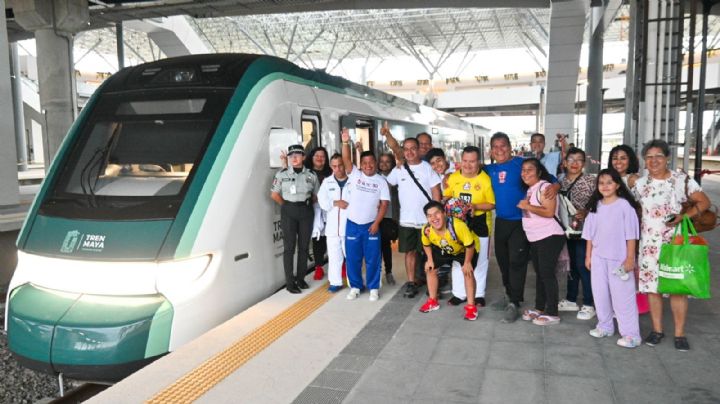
296	148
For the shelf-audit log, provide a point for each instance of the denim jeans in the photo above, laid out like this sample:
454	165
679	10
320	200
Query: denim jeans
578	273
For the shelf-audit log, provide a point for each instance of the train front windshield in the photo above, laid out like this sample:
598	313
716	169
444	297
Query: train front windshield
136	155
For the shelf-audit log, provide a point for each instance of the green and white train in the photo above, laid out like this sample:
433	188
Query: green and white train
154	223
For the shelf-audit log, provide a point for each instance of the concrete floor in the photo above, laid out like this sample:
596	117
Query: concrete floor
388	352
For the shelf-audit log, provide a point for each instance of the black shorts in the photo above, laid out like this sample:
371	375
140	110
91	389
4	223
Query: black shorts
440	259
409	239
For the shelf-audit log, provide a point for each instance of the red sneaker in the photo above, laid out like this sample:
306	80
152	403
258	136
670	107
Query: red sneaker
319	273
430	305
471	312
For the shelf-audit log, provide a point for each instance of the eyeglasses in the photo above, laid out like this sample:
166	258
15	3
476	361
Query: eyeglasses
656	157
425	144
573	161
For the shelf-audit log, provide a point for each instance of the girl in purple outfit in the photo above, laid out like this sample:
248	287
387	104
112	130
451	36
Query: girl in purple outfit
612	230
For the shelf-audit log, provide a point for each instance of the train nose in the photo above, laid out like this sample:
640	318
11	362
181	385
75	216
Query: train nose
88	337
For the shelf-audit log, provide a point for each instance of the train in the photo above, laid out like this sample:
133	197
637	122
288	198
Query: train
154	223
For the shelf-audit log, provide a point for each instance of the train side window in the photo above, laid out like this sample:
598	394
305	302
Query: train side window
310	125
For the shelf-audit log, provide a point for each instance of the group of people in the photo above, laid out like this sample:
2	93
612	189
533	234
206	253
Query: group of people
442	216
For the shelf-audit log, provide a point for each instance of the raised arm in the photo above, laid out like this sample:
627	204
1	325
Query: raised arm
346	153
358	152
392	143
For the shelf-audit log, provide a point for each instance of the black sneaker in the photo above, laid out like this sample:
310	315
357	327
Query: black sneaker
456	301
302	284
501	304
681	344
480	301
654	338
390	279
511	314
410	290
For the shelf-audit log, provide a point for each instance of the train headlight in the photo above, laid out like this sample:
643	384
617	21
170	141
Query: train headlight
173	274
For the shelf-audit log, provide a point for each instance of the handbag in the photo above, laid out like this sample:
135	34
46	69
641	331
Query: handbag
684	269
567	211
706	220
557	219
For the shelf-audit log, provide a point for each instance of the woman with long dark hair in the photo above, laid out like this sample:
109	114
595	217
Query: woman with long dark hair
546	238
624	160
317	160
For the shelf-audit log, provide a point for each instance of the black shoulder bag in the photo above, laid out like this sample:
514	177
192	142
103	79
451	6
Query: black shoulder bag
407	167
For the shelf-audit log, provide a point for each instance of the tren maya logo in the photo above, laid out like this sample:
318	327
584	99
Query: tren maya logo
76	241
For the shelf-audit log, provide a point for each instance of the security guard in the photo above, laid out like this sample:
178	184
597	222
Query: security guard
295	190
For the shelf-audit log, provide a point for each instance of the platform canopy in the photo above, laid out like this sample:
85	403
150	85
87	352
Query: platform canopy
316	33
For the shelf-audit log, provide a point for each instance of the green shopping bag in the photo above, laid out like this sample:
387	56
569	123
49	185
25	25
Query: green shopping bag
684	269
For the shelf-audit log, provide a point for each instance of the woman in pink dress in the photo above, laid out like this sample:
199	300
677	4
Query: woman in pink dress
546	238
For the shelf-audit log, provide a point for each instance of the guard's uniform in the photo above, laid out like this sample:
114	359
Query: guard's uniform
296	217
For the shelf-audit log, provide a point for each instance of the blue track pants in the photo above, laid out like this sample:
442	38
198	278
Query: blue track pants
359	244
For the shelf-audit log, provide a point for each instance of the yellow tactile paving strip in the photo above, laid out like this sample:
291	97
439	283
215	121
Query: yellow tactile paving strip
201	379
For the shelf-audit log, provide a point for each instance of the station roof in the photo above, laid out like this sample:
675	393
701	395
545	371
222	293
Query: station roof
322	33
305	30
429	35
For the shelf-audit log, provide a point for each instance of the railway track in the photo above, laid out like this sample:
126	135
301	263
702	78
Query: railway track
80	393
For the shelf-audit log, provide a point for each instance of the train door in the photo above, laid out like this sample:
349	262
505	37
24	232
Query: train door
362	129
310	129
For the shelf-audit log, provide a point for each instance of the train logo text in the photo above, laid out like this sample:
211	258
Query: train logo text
74	240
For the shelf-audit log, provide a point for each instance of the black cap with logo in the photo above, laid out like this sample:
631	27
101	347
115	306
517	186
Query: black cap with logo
296	148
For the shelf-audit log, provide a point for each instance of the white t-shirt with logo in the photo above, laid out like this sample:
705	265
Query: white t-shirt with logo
412	200
364	196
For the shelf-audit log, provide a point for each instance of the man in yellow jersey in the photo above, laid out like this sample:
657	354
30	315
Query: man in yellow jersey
448	240
473	186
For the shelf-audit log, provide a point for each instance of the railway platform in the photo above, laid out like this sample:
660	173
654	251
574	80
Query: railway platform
321	348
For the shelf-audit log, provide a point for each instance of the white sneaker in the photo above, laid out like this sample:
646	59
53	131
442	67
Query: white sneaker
629	342
600	333
586	313
353	294
374	295
567	305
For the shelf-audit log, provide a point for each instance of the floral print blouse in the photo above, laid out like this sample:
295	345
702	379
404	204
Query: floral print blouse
659	198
